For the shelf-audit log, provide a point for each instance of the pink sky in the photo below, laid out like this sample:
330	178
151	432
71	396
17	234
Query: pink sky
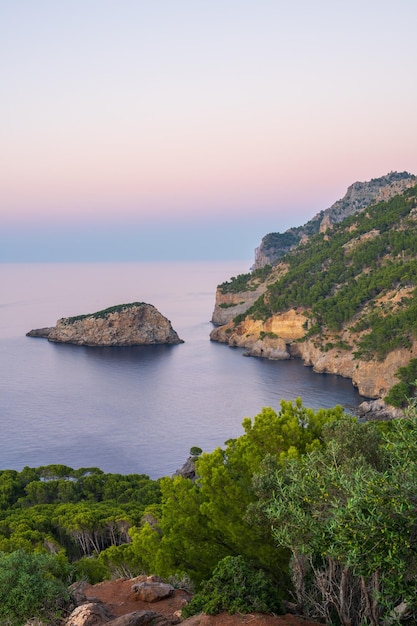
190	110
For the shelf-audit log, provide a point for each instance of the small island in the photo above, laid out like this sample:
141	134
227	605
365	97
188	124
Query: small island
134	324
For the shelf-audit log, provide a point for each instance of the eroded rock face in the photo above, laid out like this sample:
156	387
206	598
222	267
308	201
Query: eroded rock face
228	305
267	339
277	338
123	325
372	378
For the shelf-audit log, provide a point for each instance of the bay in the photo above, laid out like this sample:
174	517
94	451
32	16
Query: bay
137	409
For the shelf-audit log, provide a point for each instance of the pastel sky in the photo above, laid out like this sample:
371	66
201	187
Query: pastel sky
181	129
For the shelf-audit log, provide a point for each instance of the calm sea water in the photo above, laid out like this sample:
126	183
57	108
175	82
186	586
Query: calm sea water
139	409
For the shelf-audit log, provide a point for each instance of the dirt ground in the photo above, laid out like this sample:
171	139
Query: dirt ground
117	595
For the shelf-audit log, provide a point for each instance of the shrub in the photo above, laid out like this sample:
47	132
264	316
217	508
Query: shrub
30	588
236	586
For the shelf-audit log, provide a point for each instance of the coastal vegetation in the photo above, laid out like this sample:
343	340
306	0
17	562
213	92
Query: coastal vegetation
104	313
306	505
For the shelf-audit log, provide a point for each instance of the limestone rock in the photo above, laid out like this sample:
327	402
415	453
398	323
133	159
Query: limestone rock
90	614
264	339
188	469
141	618
372	378
228	305
378	410
277	338
152	591
123	325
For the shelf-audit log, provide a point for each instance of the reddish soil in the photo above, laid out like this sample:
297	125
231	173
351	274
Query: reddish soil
117	595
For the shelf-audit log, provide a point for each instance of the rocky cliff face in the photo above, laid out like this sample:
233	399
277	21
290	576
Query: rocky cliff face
279	338
358	196
228	305
123	325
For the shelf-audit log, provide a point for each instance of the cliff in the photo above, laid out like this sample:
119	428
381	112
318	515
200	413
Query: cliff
344	301
358	196
279	337
122	325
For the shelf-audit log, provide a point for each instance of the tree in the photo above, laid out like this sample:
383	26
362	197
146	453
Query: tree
202	522
350	521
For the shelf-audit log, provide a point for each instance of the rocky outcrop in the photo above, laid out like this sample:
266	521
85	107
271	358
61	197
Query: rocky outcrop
358	196
228	305
373	378
122	325
279	338
188	469
90	614
264	339
378	410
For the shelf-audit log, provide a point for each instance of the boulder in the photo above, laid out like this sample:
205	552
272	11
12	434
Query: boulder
151	591
89	614
188	469
141	618
378	410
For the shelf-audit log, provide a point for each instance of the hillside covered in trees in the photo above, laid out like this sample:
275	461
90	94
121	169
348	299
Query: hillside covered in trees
354	284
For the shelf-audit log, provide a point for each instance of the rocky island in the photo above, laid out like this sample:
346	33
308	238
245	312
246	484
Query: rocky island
133	324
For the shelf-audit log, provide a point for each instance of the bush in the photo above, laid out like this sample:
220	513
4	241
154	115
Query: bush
236	587
30	587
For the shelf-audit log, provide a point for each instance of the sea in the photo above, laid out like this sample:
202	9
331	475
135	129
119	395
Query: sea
135	409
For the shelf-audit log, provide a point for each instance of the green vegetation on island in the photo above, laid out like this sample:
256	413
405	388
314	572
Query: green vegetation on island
104	313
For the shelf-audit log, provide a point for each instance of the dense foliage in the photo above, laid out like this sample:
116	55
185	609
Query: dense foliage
348	513
305	504
81	512
237	587
341	277
31	586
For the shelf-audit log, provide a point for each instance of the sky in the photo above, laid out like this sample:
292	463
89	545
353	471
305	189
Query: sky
142	130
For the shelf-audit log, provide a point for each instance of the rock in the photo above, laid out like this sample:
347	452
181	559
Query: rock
141	618
77	591
90	614
40	332
152	591
378	410
188	469
123	325
358	196
228	305
267	339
